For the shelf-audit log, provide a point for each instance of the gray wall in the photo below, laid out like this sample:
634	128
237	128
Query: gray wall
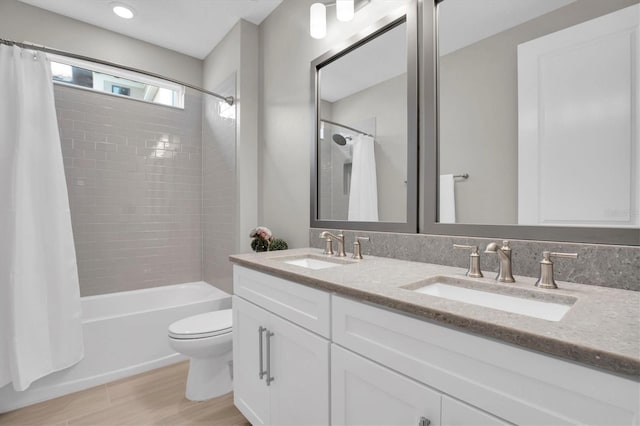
219	198
479	113
133	173
231	154
21	22
286	51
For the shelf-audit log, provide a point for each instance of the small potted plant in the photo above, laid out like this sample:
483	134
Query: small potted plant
263	240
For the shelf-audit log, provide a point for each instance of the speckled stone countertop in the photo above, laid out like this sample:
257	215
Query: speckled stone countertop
602	328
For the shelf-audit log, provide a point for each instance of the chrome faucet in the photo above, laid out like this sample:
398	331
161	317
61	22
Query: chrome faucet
504	255
328	236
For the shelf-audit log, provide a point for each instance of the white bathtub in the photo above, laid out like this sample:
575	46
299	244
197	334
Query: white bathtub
124	334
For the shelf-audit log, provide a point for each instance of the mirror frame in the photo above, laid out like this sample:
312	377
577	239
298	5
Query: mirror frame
410	17
430	171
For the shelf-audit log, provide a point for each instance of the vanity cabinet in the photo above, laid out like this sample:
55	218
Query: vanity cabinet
293	388
379	366
485	380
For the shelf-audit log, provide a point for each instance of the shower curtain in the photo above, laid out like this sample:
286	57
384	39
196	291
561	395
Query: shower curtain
363	195
40	328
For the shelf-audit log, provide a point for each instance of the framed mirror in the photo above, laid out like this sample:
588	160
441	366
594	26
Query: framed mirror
364	159
537	120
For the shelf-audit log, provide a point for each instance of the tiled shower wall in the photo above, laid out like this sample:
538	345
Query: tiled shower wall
134	175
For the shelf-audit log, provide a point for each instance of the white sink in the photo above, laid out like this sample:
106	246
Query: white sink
546	310
311	263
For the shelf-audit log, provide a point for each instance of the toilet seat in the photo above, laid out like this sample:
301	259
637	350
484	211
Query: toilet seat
203	325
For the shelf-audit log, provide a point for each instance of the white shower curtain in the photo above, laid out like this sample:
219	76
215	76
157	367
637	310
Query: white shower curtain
363	195
40	328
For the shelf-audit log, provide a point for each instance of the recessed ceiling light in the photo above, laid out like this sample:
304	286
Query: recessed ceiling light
122	11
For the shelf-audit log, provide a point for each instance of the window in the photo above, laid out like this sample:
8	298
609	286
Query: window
115	81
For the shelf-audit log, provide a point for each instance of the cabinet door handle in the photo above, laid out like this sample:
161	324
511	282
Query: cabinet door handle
424	421
261	371
269	378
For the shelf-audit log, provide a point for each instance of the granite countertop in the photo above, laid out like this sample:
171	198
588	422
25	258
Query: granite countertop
602	328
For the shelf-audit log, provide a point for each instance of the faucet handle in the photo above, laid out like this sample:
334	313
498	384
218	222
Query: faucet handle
474	249
474	261
357	253
548	254
546	268
328	244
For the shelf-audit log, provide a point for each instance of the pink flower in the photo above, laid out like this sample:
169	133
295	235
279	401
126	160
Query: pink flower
262	232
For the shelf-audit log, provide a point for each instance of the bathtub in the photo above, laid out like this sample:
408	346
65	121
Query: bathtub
124	334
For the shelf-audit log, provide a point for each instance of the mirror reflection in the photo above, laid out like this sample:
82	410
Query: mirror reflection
362	132
538	106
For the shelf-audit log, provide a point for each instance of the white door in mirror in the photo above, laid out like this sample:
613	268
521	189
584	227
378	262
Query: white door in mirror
577	95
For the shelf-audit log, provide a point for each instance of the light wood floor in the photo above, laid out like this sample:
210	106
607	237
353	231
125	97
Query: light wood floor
152	398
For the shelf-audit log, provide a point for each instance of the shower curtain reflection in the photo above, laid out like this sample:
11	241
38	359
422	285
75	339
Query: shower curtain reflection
363	196
335	159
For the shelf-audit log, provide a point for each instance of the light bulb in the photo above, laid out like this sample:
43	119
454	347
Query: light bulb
318	20
344	10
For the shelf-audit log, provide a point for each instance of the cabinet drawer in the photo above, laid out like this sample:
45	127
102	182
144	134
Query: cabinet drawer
518	385
305	306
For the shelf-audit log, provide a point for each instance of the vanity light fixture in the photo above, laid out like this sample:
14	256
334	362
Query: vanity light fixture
318	20
345	11
122	10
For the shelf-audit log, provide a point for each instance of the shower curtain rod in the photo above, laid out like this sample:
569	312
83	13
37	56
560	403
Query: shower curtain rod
228	99
346	127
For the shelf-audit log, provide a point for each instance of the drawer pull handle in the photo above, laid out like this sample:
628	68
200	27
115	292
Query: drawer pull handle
424	421
261	371
269	378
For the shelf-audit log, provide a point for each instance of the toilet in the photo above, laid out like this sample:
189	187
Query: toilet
206	340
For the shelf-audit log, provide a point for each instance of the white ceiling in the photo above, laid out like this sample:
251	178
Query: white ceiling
192	27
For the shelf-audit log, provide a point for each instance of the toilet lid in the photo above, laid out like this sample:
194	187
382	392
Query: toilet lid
202	325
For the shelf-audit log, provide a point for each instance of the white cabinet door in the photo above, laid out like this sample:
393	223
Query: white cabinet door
366	393
251	394
296	360
300	371
456	413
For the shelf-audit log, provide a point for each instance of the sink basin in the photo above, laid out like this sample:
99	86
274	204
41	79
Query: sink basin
313	262
526	303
